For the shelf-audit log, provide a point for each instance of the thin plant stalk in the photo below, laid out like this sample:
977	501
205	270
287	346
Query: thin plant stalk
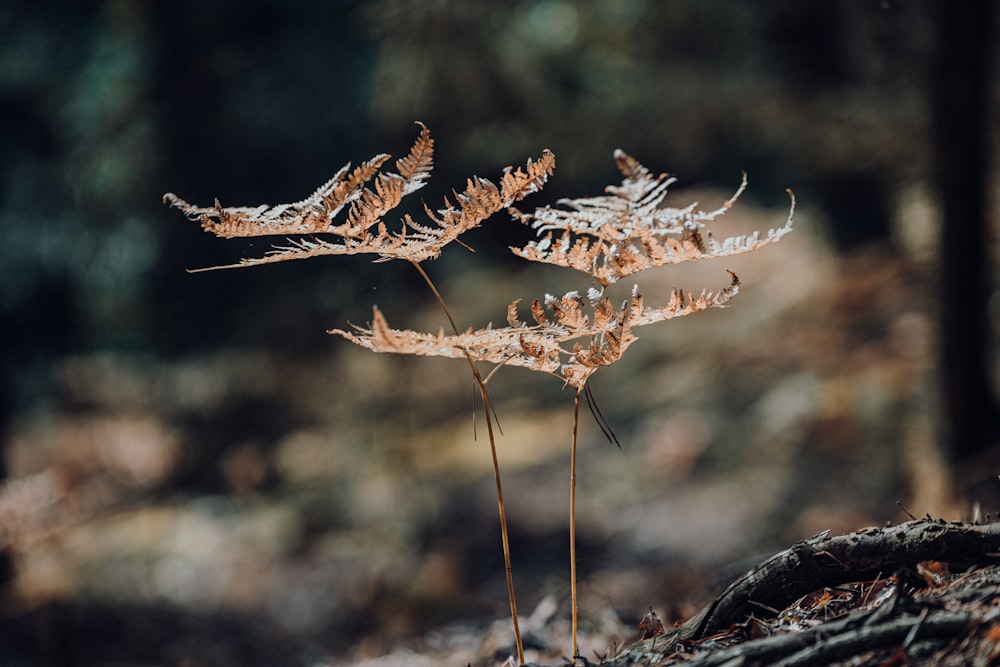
572	522
496	475
503	526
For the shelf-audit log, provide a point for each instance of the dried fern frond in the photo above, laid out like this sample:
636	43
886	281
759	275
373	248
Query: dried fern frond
315	213
311	225
628	230
599	335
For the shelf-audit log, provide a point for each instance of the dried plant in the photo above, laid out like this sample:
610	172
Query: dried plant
629	230
543	346
364	232
626	231
607	238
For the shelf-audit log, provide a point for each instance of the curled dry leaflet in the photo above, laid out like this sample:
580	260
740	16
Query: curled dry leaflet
650	626
618	234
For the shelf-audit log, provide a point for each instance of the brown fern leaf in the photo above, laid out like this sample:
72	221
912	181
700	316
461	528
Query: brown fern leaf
416	166
481	199
611	333
628	230
532	347
310	225
312	215
542	347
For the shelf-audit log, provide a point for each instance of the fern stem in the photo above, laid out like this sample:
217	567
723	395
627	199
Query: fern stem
503	527
504	538
572	522
440	300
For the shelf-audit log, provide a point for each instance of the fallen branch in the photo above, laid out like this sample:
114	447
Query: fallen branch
824	562
829	561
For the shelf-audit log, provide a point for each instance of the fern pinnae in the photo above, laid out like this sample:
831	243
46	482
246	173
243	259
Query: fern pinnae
628	231
417	165
364	230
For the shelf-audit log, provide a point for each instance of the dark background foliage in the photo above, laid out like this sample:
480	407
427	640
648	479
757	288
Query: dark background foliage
860	106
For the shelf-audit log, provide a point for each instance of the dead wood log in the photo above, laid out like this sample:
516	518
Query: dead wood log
829	561
821	562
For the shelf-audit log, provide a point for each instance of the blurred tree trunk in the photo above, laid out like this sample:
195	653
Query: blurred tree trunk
960	144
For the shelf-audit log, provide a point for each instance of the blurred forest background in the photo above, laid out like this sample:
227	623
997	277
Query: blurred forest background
195	473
